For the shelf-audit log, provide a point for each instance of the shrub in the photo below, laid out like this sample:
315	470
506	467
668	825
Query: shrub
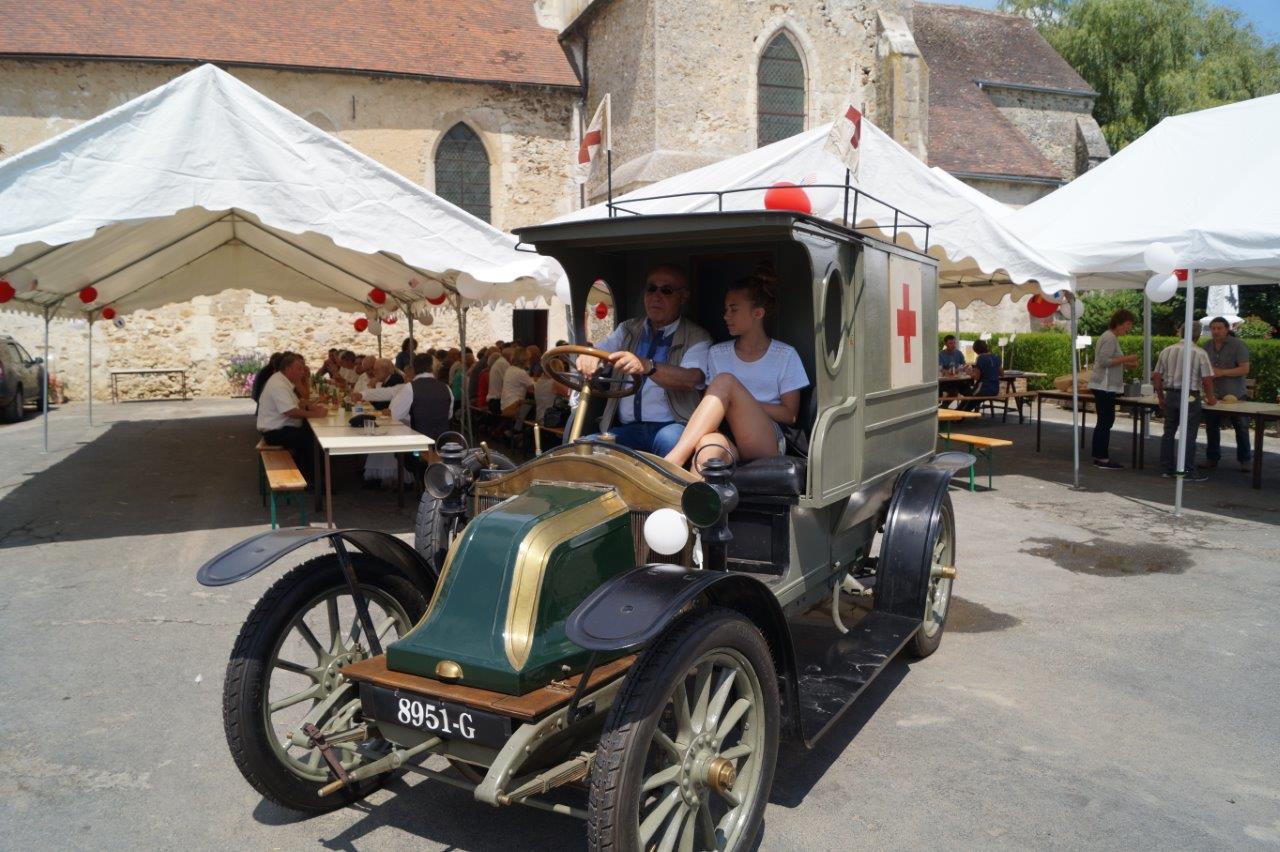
1254	328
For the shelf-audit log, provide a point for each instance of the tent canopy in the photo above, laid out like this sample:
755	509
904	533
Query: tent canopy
169	195
980	259
1204	183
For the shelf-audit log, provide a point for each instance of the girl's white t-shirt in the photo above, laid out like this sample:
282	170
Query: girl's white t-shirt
767	378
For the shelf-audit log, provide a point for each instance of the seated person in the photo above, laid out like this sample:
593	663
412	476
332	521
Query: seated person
516	383
281	412
986	372
755	383
950	358
666	349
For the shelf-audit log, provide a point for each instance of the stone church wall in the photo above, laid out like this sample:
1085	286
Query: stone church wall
1048	120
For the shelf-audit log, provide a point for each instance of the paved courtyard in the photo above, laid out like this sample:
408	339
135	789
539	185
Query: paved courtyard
1110	675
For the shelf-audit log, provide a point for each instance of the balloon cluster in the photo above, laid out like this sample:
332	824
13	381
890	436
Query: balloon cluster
1040	307
1163	261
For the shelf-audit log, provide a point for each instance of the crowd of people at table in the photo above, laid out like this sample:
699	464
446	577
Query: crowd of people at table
1219	369
738	399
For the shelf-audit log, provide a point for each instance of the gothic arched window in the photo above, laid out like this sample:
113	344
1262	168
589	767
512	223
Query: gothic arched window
462	171
779	91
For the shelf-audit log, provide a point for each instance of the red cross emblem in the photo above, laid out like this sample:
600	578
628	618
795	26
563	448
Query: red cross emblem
588	141
856	117
906	323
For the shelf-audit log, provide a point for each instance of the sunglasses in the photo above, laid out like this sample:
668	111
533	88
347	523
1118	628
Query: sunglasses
663	289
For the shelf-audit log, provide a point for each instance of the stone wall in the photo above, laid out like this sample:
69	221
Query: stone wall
1007	315
202	335
698	103
1048	120
1013	193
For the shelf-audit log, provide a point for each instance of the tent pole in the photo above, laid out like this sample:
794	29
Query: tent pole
1146	340
44	397
956	305
465	420
1075	398
90	392
409	313
1184	434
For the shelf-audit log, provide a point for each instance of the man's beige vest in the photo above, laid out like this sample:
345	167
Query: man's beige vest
682	402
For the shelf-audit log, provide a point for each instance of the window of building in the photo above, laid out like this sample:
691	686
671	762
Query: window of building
462	171
779	91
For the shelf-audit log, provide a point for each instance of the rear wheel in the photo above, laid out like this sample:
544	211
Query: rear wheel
285	669
687	755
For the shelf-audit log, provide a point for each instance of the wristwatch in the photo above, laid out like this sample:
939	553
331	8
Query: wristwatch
653	367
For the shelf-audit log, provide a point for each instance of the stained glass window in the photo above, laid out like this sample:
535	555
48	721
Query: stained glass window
462	171
779	91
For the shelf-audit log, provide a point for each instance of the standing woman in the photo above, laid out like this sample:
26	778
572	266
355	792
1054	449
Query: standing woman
1107	382
753	383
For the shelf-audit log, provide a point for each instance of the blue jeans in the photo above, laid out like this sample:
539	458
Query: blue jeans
1213	436
656	438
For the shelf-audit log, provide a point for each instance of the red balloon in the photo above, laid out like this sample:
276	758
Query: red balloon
108	313
1180	274
602	310
88	294
6	291
1041	307
377	296
391	320
361	324
438	300
785	195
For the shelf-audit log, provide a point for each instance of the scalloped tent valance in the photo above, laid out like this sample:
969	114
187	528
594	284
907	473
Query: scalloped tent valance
980	259
164	197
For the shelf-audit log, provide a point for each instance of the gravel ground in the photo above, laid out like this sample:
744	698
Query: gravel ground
1109	678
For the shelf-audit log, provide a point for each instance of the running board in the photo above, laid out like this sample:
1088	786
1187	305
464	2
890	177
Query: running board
835	669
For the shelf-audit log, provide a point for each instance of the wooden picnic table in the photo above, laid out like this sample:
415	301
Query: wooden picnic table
334	437
947	416
1260	412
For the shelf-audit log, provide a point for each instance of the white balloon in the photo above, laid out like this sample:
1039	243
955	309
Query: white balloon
562	289
1160	257
432	290
1160	288
666	531
470	288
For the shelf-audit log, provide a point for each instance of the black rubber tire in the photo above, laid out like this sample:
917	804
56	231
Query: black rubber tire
921	645
246	676
431	535
617	770
13	412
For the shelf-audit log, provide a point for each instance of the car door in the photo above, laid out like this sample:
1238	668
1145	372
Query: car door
27	368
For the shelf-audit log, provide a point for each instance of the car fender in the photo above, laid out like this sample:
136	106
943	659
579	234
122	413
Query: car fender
243	560
910	528
635	607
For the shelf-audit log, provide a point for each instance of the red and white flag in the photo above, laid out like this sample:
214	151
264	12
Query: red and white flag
845	140
597	136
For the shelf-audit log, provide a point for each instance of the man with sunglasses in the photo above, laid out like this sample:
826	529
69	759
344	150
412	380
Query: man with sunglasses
665	351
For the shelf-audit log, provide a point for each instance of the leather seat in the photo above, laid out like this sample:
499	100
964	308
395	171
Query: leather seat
771	476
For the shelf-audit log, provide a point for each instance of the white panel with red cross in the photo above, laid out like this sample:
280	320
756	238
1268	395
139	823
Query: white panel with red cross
907	351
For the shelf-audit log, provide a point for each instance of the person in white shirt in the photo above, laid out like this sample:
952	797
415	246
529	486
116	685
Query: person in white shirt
753	383
1167	379
364	373
516	383
347	367
280	414
497	372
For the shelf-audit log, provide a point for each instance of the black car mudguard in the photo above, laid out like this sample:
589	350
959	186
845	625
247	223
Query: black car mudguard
250	556
910	529
633	609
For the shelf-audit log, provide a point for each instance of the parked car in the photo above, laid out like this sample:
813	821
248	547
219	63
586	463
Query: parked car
21	379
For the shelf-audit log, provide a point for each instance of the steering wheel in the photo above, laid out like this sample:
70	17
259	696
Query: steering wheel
603	383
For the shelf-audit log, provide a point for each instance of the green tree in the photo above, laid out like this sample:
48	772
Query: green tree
1149	59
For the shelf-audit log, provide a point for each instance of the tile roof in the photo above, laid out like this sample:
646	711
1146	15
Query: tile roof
967	133
481	40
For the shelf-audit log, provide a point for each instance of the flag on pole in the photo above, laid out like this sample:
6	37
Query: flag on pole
597	135
845	139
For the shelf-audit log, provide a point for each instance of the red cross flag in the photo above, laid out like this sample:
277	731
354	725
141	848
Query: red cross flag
598	134
906	324
845	139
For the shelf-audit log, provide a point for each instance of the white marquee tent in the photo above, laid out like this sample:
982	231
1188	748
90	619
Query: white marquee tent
205	181
979	258
1205	184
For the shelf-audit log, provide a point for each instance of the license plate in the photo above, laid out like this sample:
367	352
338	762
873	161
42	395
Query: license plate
431	716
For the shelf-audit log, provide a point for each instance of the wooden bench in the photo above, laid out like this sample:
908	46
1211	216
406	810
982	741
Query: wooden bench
981	445
262	476
990	401
283	477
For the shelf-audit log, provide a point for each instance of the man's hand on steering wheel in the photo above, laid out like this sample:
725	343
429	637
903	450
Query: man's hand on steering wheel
630	363
587	360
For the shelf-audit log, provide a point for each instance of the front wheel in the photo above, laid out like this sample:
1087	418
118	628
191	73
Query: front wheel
14	412
687	755
286	669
